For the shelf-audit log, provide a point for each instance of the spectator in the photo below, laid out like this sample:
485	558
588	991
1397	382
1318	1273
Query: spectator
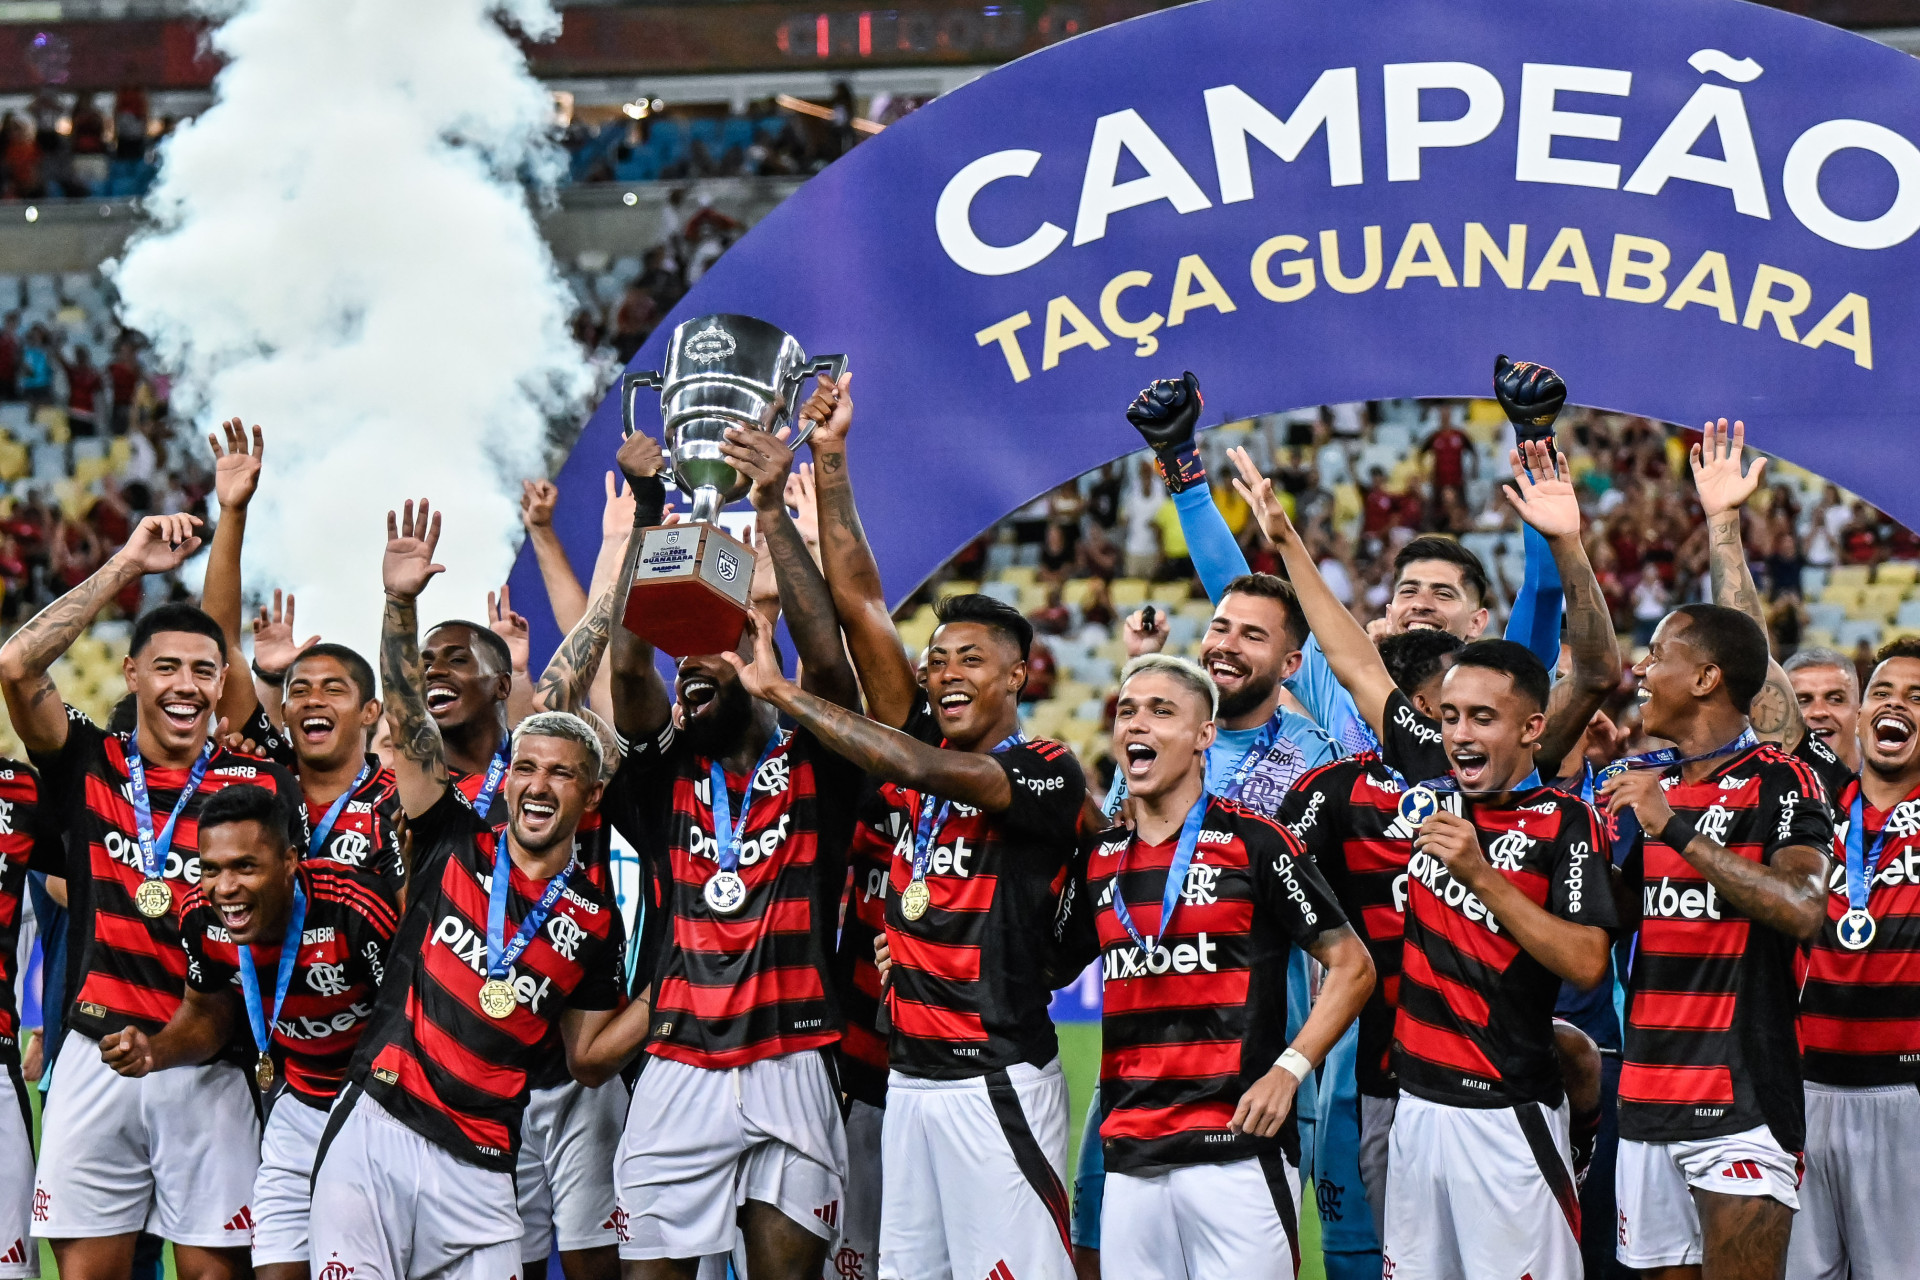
1140	508
130	113
10	357
36	368
633	319
1451	450
1056	554
25	178
88	143
1042	671
1863	661
84	385
123	382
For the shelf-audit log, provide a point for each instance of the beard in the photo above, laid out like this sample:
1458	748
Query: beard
716	730
1248	696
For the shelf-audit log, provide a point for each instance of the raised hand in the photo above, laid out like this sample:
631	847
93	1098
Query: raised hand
1542	491
160	543
830	409
274	649
537	499
1165	413
1531	394
762	676
1717	468
616	514
803	506
510	627
236	471
1138	639
1257	489
764	458
407	567
640	456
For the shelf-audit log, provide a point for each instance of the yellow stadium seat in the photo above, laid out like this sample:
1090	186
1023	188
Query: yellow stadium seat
1074	591
1128	593
1816	638
1881	600
914	634
1201	611
1044	718
15	461
1073	692
1848	575
1847	597
1114	651
1901	572
1020	575
119	453
1084	736
1169	593
1033	598
958	588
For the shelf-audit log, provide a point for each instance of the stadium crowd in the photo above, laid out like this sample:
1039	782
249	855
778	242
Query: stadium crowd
1369	890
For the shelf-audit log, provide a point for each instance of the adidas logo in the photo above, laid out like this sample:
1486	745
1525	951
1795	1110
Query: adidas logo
829	1213
16	1256
1743	1170
1001	1271
241	1221
617	1223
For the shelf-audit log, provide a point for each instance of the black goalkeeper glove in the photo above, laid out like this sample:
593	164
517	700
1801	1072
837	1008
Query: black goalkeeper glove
1165	415
1531	394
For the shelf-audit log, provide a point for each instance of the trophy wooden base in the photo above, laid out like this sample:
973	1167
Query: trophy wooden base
690	589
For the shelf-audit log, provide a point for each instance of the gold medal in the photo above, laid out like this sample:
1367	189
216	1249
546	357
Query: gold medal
263	1072
915	899
496	998
153	898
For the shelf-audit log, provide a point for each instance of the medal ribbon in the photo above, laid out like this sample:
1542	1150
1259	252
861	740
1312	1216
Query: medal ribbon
250	980
727	833
1862	865
928	827
1176	878
320	833
500	953
1626	822
153	850
496	770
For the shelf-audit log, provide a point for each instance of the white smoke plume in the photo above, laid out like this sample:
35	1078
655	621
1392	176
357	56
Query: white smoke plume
343	252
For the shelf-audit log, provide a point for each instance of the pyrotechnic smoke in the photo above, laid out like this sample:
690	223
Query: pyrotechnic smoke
342	252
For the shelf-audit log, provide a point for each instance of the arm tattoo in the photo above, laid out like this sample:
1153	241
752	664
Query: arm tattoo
809	609
889	754
1775	714
563	685
54	629
415	735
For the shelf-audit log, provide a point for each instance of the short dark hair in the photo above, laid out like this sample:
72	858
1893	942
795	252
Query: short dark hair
1269	586
1529	674
1413	657
1904	647
483	637
1733	642
1433	546
247	802
358	669
988	612
125	716
175	617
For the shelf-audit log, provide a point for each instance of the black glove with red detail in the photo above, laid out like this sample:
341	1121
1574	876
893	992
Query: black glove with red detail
1165	415
1531	394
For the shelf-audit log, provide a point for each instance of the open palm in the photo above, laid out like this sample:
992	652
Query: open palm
1717	469
1542	491
408	564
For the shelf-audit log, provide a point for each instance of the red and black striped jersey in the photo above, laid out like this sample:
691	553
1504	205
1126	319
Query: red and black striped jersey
19	824
1191	1027
1475	1020
431	1056
863	1046
351	920
1711	1002
734	989
968	993
1860	1010
1832	771
1347	814
366	836
125	969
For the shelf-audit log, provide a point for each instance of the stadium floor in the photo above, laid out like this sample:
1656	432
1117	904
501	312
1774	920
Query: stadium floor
1079	1058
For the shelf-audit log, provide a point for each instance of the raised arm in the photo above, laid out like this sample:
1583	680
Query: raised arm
804	599
518	637
419	756
1543	494
1165	415
641	700
236	474
158	544
853	576
964	777
274	652
1724	487
1532	396
1349	652
564	594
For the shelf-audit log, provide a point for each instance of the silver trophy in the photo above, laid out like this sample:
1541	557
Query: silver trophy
724	371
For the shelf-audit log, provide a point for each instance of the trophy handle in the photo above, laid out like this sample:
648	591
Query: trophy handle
833	367
629	383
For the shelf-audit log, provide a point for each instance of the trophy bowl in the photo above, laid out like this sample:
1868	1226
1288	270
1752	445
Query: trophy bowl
723	371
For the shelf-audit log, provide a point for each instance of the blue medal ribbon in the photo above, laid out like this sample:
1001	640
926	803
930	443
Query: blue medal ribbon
727	833
1626	822
320	833
1176	877
1861	865
501	953
496	770
928	827
257	1016
154	849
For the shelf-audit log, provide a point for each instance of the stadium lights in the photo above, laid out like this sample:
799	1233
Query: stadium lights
802	107
33	213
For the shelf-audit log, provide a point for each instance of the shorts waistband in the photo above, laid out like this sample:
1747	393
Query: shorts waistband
1860	1091
1020	1073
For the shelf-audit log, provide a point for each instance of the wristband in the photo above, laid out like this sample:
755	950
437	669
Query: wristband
1295	1063
649	500
1180	467
271	677
1677	834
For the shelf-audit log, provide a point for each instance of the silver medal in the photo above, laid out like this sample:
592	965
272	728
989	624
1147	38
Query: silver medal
725	893
1418	804
1856	929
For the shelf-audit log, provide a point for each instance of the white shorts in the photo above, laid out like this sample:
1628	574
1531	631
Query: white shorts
1659	1225
173	1153
390	1205
1200	1221
1479	1192
19	1254
568	1140
1376	1130
1858	1199
700	1142
859	1248
975	1175
283	1189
